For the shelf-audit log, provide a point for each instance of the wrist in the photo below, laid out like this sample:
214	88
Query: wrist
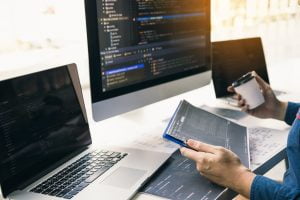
243	181
280	110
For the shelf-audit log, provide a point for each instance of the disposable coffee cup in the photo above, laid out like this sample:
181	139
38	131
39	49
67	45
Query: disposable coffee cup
248	87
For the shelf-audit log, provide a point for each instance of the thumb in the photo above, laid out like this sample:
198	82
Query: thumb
263	85
201	147
230	89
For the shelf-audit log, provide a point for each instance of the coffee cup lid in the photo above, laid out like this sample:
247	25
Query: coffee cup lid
244	79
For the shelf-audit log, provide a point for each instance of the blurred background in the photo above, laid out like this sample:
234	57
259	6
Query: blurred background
35	25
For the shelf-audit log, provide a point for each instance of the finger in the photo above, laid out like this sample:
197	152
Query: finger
246	109
263	85
231	89
191	154
250	112
237	97
200	146
242	103
198	157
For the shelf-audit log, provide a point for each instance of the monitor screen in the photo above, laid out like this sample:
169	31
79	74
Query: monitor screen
136	44
41	124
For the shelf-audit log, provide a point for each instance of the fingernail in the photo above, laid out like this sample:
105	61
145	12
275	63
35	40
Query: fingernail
191	141
182	151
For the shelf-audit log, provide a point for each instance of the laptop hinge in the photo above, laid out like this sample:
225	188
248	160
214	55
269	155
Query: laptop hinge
1	195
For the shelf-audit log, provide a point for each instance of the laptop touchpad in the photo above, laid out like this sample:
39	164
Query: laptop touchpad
124	177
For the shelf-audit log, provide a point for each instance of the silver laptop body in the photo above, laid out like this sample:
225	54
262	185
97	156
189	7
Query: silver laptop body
129	170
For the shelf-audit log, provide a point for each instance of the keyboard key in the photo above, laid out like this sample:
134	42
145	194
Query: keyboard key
54	192
60	182
109	153
62	187
73	192
59	195
65	191
68	196
94	153
47	191
80	180
96	174
115	155
81	186
71	187
85	176
109	165
89	173
115	159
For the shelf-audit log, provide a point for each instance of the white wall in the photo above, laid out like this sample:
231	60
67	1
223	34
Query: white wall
35	33
35	24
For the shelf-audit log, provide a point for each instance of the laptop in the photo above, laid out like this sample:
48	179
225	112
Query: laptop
234	58
46	149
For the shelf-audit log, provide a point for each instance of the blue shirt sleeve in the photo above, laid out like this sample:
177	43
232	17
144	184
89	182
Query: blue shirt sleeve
265	188
291	112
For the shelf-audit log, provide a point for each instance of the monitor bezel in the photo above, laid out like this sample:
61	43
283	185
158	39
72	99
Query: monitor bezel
97	94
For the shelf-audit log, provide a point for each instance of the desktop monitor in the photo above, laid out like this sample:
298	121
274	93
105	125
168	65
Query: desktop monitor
144	51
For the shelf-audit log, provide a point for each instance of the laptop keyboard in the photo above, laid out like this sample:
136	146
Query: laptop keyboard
78	175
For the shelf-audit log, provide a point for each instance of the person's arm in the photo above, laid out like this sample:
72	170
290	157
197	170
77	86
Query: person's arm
221	166
291	112
224	168
265	188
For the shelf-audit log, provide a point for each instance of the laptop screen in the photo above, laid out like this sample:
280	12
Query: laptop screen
234	58
41	126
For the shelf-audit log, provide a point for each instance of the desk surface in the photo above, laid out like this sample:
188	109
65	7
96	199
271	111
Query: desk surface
143	128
